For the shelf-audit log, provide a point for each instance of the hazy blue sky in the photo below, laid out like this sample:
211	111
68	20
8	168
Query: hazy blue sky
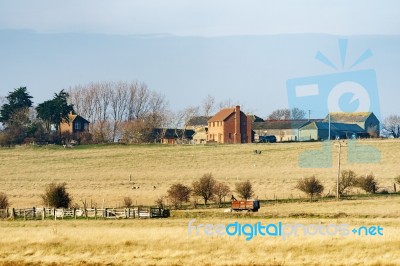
203	17
242	50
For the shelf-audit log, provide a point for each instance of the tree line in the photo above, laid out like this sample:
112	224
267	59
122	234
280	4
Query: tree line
23	123
115	110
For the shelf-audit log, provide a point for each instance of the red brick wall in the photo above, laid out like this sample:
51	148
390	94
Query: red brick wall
224	131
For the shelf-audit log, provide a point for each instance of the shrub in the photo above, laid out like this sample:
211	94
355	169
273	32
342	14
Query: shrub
244	189
56	196
220	191
179	193
367	183
4	204
311	186
347	179
160	202
204	187
397	179
127	202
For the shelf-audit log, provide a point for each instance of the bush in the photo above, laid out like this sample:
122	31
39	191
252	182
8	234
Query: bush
204	187
367	183
311	186
4	204
347	179
221	190
244	189
127	202
397	179
56	196
160	202
179	193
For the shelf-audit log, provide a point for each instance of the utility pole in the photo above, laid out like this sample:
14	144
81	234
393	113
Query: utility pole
329	126
338	174
309	115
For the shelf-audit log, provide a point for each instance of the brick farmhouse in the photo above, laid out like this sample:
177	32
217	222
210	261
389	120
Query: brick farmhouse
230	125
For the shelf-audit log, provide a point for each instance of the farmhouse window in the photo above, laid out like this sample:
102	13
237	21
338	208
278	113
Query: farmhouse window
77	126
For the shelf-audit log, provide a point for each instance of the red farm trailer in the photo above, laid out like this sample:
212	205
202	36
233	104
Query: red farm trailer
245	205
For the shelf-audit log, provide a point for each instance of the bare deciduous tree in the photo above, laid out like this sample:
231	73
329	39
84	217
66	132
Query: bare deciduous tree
368	183
280	114
208	105
397	179
127	202
286	114
391	126
141	101
179	193
221	190
181	118
347	179
204	187
244	189
158	110
311	186
119	102
108	106
4	203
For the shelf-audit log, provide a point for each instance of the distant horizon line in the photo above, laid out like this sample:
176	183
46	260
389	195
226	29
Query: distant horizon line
27	30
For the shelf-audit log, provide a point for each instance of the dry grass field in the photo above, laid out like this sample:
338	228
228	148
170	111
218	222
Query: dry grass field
98	173
166	241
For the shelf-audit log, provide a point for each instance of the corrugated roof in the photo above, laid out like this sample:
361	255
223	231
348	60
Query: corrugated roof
339	127
343	117
222	115
281	124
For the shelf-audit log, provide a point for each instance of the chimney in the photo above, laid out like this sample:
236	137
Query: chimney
238	136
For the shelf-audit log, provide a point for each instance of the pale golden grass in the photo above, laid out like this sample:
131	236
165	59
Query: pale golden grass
166	241
102	172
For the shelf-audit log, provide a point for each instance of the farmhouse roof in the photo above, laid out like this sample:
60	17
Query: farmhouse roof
199	121
336	127
343	117
72	117
282	124
171	133
222	115
255	118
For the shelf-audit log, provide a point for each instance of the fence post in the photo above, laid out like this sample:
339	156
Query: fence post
75	213
7	213
55	216
95	213
44	214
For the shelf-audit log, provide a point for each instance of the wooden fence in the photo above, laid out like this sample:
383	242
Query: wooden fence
93	213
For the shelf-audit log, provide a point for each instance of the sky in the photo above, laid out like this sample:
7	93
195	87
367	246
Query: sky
239	50
203	17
